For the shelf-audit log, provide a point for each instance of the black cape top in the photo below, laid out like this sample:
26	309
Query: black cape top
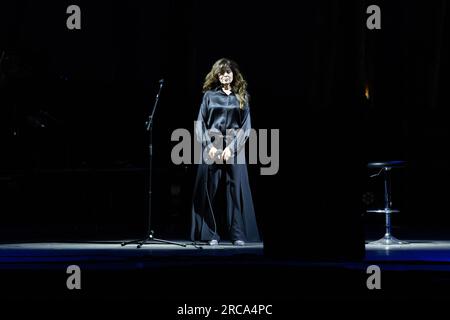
221	116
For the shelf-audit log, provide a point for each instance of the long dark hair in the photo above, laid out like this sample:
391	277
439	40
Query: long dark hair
238	86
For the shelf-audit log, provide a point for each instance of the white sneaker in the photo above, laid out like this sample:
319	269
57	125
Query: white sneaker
213	242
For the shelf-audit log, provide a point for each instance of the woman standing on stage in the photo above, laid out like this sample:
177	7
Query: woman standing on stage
223	126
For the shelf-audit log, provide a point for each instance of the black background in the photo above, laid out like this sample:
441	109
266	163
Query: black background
85	173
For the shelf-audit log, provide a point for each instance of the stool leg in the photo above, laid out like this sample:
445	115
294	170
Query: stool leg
387	189
388	224
387	202
388	238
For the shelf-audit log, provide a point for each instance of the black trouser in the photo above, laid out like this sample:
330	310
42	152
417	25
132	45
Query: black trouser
230	175
240	221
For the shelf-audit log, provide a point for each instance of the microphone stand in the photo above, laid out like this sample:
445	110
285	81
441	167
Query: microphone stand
149	237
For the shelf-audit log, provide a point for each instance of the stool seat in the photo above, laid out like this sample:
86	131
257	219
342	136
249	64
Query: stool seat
387	210
387	164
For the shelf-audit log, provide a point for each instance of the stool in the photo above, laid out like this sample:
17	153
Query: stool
386	167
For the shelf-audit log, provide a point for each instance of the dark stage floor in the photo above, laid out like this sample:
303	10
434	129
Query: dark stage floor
171	275
103	255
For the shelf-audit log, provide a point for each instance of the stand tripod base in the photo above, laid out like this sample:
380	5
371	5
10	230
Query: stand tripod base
150	237
388	240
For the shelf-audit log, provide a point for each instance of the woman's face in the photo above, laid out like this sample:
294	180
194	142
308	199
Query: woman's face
226	77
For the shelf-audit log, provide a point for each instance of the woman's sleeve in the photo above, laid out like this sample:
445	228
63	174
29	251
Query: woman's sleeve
243	133
201	129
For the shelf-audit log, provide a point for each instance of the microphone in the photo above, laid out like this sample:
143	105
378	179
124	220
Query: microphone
161	82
